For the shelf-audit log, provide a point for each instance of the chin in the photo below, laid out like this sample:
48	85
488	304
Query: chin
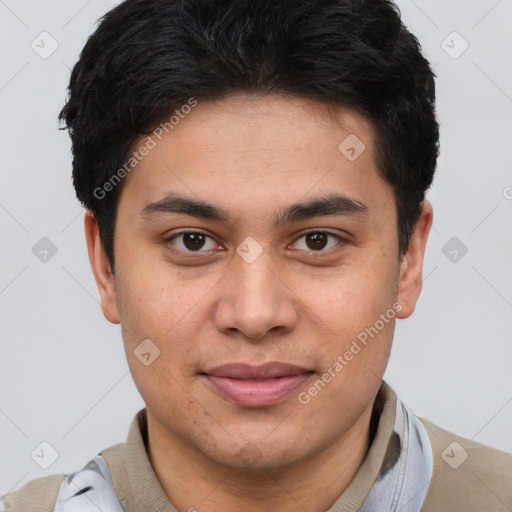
254	456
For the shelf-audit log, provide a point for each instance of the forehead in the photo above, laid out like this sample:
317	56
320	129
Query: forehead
250	152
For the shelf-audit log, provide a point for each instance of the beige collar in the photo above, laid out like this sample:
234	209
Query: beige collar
138	488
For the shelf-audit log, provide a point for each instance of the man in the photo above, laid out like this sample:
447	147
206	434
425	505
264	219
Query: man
254	174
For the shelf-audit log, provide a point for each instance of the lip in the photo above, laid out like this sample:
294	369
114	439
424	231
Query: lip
256	386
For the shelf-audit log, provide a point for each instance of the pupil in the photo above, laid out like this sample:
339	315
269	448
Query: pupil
193	240
318	240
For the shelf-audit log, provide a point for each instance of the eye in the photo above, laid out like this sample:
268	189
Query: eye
318	241
196	241
192	241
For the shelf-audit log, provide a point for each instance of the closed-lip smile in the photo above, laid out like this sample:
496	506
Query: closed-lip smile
256	386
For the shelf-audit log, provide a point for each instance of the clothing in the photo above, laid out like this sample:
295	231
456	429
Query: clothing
411	465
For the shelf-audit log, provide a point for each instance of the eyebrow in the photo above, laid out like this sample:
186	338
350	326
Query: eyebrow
333	204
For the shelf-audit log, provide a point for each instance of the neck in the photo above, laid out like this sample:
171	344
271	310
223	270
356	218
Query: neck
194	482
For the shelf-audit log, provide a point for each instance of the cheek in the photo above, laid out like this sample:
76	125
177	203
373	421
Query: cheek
355	348
171	311
354	317
155	301
350	298
169	317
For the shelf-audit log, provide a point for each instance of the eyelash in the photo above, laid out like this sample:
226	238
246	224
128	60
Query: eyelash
171	238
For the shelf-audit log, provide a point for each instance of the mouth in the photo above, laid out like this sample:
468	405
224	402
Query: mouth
256	386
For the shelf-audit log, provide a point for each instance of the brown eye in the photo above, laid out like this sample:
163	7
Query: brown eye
192	241
317	241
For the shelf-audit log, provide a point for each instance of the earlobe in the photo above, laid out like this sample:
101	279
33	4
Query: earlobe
411	269
101	269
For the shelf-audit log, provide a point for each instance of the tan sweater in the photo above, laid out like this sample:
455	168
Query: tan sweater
480	483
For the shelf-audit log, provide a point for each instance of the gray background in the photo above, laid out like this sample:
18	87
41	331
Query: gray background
63	375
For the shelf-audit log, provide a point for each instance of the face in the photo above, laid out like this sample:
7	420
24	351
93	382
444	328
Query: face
247	236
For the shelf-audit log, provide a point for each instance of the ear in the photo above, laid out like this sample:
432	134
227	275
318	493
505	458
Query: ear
101	269
411	267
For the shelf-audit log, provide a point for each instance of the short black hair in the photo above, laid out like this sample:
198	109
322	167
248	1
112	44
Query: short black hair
148	57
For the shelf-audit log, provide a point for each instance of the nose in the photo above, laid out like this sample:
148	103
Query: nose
255	300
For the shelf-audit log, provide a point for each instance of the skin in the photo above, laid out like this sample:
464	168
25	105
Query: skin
253	157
